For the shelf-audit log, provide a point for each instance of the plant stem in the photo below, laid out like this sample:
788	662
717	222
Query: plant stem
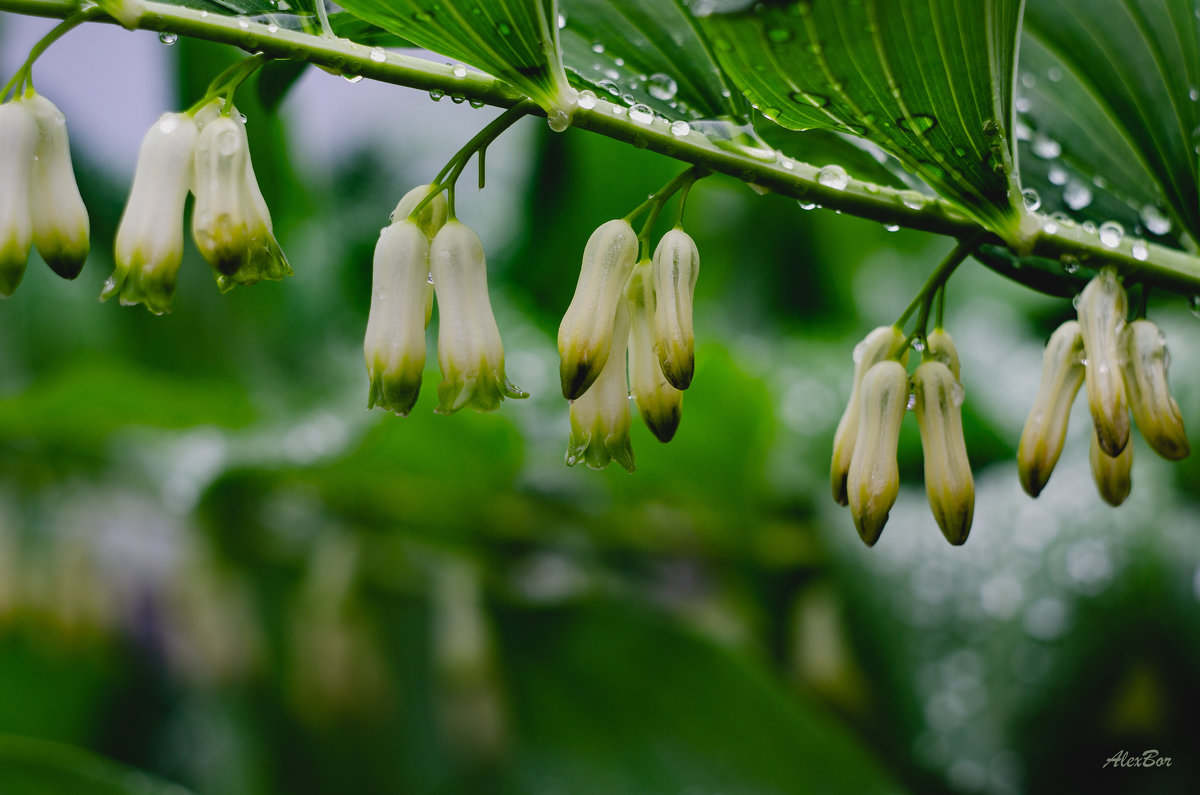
1155	265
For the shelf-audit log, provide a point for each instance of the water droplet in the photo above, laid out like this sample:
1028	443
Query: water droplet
1076	195
168	38
378	55
912	200
477	103
1062	218
833	176
243	24
1024	104
1193	304
918	344
562	21
912	401
661	86
168	125
680	128
1140	250
1111	234
597	47
1031	198
429	278
272	28
1045	148
958	393
806	98
586	100
920	123
1028	80
1194	94
458	99
641	114
1050	227
617	110
558	120
891	227
1070	264
460	71
436	94
1155	220
352	78
1055	74
1088	228
808	205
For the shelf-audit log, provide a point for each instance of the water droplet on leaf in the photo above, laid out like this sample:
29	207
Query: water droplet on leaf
1111	234
833	176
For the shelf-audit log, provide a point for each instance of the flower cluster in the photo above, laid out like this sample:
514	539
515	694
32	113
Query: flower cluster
39	199
1124	367
422	253
208	155
629	321
864	473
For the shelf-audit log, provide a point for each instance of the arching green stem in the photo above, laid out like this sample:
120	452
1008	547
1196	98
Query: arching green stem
22	75
935	283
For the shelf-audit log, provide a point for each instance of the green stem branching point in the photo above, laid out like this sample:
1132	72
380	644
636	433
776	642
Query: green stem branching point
1138	261
934	285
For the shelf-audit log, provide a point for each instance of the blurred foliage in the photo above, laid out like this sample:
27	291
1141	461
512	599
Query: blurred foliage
218	567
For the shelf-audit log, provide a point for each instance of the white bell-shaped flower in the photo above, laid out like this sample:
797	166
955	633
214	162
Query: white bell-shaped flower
395	342
149	244
224	221
469	348
600	417
18	138
658	401
60	219
676	266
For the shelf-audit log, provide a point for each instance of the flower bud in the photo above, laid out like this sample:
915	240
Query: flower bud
469	347
60	221
1155	411
880	345
1102	309
676	265
600	416
659	403
948	481
585	336
874	478
1046	427
395	342
431	218
18	138
222	222
1111	473
939	346
149	243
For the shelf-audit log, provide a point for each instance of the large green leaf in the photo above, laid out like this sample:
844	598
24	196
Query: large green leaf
648	53
1140	59
37	767
513	40
1072	154
930	82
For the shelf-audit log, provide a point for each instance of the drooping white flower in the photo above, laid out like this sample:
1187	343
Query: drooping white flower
224	221
18	138
1112	474
585	336
1102	309
949	484
873	481
1046	427
469	348
676	266
600	417
658	401
431	218
60	219
395	341
149	243
1155	411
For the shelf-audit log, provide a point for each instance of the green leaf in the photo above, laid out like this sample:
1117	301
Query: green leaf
610	698
513	40
1140	60
1065	139
931	83
38	767
648	53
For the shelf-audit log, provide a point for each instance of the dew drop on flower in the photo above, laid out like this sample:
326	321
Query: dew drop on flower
833	176
1111	234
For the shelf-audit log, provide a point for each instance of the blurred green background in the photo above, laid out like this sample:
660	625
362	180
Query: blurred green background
217	567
